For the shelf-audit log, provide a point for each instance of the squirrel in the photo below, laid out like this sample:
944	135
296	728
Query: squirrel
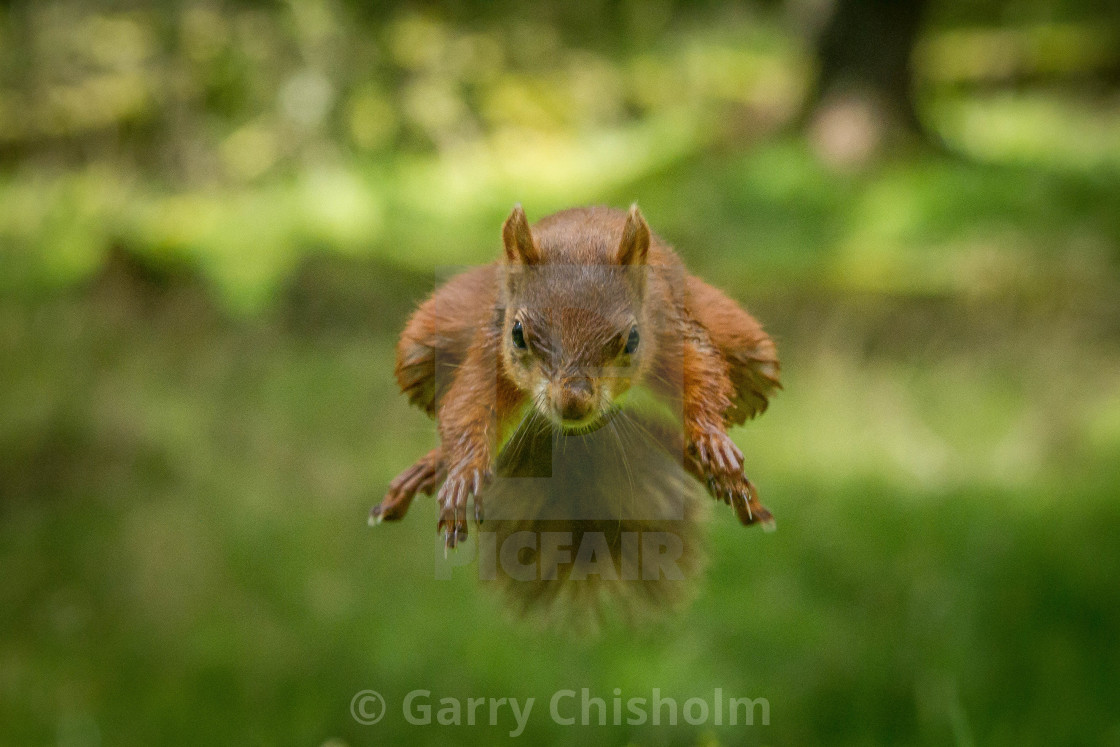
583	309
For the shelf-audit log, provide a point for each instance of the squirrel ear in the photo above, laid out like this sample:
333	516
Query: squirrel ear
635	239
518	239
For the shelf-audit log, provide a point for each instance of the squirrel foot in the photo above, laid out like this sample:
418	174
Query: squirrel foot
743	496
422	477
717	454
721	461
461	484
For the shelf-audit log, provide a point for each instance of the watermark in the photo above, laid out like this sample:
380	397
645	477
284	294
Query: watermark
367	707
567	708
574	556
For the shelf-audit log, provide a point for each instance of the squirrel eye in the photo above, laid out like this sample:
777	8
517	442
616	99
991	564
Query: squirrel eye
518	336
632	341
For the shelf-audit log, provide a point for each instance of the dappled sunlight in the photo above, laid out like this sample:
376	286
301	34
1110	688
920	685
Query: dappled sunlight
986	54
444	126
480	117
548	169
1035	128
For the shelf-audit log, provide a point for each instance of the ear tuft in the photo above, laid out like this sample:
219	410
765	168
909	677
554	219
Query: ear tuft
518	239
634	247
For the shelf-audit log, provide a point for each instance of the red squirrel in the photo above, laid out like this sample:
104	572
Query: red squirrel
583	308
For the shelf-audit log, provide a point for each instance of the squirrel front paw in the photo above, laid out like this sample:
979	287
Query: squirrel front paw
740	493
422	477
717	454
721	463
461	484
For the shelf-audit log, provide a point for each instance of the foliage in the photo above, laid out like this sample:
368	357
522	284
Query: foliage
214	218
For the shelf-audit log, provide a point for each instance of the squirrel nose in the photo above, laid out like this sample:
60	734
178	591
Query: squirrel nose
576	398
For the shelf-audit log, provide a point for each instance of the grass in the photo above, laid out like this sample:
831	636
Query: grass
187	560
197	407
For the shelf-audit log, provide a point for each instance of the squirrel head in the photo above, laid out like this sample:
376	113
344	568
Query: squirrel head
574	334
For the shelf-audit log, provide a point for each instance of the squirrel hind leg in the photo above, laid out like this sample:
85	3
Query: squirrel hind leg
422	477
751	356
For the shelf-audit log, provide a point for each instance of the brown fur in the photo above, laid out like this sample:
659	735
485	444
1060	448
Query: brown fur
698	351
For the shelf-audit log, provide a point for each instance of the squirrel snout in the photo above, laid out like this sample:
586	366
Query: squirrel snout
574	397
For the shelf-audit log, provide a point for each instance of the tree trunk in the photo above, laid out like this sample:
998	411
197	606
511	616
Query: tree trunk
863	100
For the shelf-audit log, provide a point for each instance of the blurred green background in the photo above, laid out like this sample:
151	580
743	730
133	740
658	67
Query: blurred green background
216	216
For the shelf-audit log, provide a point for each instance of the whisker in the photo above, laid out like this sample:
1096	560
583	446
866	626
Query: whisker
521	431
633	422
626	466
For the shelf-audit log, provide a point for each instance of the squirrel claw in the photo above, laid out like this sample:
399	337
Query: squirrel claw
737	491
750	511
453	497
422	477
717	453
453	531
